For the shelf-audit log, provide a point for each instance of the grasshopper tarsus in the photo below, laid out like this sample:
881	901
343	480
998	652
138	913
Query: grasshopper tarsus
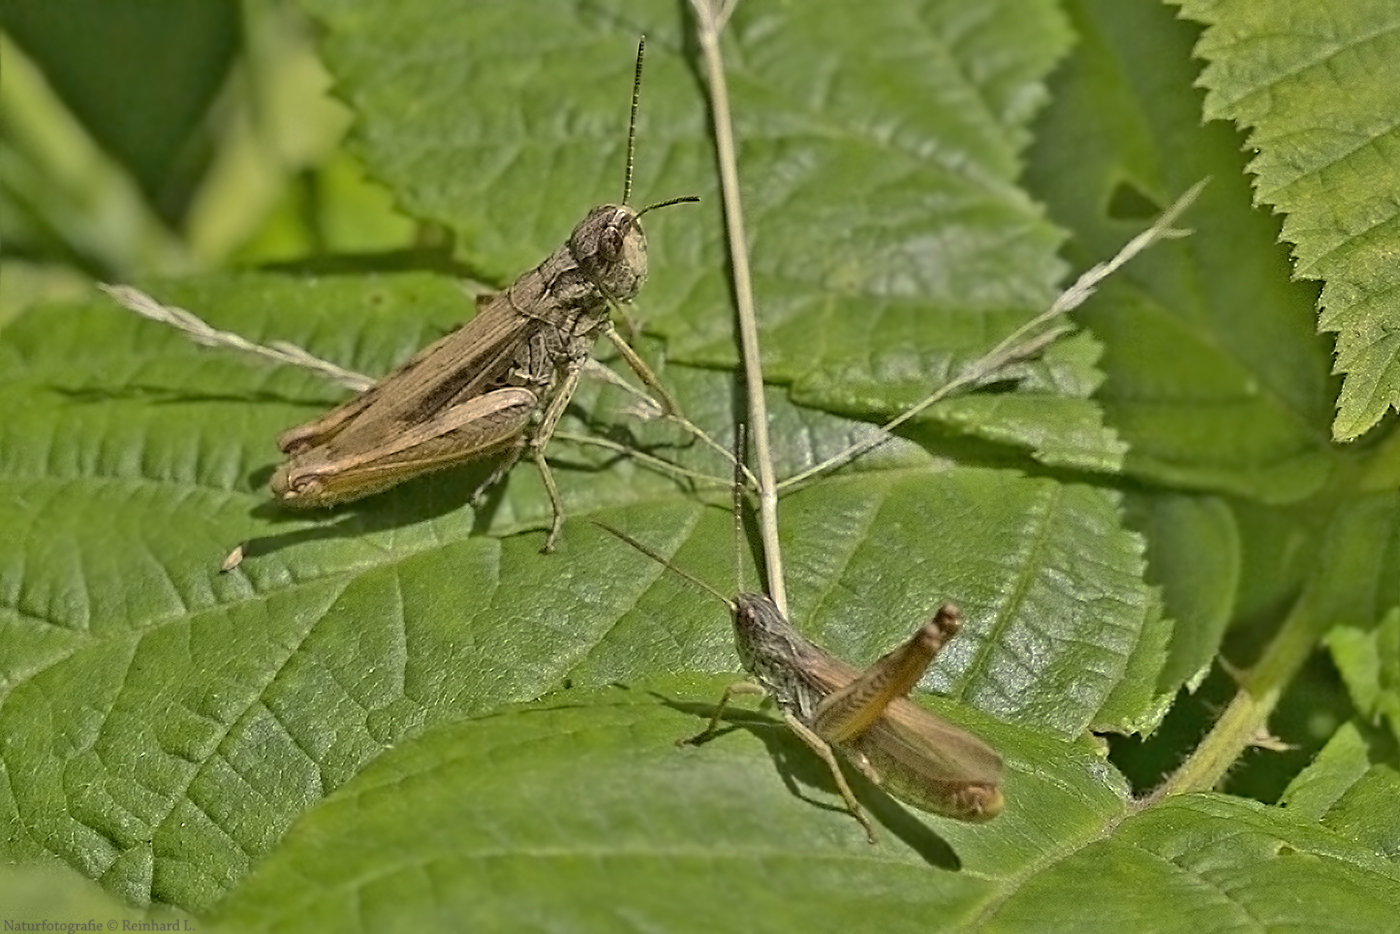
711	728
498	473
695	740
556	530
818	745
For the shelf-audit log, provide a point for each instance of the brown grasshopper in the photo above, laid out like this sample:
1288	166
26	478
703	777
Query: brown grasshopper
495	387
914	754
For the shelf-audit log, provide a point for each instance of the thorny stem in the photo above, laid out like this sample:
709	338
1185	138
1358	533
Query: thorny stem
1249	710
711	17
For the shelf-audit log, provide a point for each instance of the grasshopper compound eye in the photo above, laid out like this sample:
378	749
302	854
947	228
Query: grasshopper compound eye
611	251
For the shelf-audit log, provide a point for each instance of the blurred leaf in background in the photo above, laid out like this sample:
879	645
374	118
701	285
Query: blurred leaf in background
166	137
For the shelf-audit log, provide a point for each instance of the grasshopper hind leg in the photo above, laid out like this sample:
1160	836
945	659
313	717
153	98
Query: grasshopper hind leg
508	460
539	438
823	749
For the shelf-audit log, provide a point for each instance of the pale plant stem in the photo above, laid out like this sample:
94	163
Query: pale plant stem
711	17
1022	343
201	332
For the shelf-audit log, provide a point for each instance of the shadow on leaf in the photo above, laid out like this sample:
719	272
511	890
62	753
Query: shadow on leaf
169	395
798	766
419	499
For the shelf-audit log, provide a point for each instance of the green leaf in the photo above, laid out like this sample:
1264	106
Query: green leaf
1214	376
1349	787
466	826
151	118
35	895
1359	555
342	636
1194	554
1235	862
1370	665
1317	789
1318	88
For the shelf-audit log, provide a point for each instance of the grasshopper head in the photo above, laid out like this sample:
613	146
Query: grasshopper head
611	250
768	645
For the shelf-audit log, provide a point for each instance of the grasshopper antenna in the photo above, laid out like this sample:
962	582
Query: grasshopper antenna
632	120
740	447
656	556
632	141
684	199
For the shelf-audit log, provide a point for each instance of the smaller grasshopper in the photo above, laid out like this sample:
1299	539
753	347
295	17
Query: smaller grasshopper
914	754
496	387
